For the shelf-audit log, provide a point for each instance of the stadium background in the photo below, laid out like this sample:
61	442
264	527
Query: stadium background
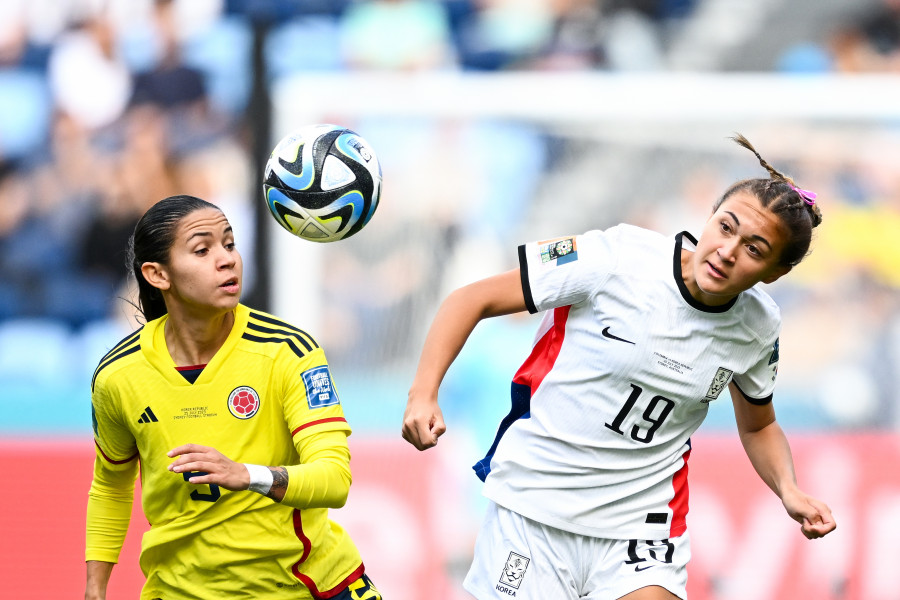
496	122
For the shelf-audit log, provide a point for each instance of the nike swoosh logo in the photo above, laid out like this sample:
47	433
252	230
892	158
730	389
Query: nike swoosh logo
639	569
607	334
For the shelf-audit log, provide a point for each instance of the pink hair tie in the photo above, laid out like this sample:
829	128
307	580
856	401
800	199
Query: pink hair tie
808	197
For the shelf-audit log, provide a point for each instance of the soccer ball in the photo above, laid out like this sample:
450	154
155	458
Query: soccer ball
322	182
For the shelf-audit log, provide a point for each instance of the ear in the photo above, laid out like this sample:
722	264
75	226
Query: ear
156	275
777	273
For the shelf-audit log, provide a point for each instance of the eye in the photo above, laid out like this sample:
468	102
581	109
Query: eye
229	246
725	226
754	250
201	251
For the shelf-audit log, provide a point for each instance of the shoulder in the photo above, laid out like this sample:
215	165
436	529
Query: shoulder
269	334
121	355
760	313
627	245
631	236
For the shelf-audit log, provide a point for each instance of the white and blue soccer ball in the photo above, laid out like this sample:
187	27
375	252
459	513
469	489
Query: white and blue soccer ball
322	182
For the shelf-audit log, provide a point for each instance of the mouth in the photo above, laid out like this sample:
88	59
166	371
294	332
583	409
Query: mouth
232	286
715	272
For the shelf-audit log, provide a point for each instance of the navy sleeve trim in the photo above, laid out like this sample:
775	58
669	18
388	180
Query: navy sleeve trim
284	325
526	285
750	399
111	360
283	332
274	340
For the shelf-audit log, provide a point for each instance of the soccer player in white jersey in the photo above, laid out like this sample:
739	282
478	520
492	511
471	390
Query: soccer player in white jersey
233	421
587	475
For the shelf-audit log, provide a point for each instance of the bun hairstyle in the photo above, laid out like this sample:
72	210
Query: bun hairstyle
796	207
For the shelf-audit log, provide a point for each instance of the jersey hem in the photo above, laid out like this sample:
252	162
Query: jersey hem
755	401
597	532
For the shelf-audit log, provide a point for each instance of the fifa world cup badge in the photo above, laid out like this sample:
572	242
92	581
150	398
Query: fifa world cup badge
562	250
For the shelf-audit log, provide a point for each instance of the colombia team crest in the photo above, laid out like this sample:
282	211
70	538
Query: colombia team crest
243	402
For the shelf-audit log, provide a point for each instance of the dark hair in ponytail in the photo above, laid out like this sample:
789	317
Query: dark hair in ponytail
152	241
796	208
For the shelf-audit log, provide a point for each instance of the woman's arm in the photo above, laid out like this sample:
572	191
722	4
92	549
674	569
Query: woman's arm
321	480
108	515
98	573
770	454
423	422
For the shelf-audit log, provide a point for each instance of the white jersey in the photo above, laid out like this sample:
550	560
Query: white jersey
623	368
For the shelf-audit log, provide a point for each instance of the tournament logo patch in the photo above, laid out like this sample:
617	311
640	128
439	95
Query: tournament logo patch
561	250
720	380
243	402
514	570
319	390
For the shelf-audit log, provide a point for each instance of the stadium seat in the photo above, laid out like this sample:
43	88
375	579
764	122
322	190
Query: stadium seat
222	53
304	44
25	107
36	350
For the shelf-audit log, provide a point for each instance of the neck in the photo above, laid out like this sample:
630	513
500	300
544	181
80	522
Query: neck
194	341
690	282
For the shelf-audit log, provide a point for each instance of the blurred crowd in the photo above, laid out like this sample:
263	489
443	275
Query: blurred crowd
107	106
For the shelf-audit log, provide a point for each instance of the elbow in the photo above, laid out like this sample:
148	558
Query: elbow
341	500
342	490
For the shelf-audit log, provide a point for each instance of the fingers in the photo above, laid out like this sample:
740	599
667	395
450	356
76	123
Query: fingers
208	466
421	433
186	448
818	522
818	526
193	457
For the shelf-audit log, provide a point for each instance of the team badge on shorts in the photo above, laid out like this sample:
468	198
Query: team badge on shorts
243	402
514	570
561	250
720	380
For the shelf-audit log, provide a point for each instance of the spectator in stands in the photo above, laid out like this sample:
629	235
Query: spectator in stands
89	80
868	41
406	35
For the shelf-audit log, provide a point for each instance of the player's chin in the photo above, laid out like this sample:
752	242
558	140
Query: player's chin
225	304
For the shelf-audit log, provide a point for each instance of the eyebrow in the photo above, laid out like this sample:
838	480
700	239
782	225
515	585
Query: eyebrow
208	234
756	238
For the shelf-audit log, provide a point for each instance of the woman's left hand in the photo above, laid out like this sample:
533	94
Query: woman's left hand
813	515
212	467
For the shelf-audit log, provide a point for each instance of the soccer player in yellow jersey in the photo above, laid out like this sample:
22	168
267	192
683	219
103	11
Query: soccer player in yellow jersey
232	419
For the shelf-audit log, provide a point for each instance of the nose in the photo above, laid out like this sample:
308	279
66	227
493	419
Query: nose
225	259
728	249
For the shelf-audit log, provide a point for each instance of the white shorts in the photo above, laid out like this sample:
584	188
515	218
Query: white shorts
516	557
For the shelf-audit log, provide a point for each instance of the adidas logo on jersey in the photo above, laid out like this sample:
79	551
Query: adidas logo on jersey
147	416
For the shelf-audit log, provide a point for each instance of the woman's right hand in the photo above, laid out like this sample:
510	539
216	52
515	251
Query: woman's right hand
423	422
457	316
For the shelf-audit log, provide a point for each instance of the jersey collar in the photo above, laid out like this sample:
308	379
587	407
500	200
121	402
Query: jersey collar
676	269
153	345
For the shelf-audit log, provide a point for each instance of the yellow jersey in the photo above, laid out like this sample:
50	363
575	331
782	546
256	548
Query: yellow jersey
263	392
